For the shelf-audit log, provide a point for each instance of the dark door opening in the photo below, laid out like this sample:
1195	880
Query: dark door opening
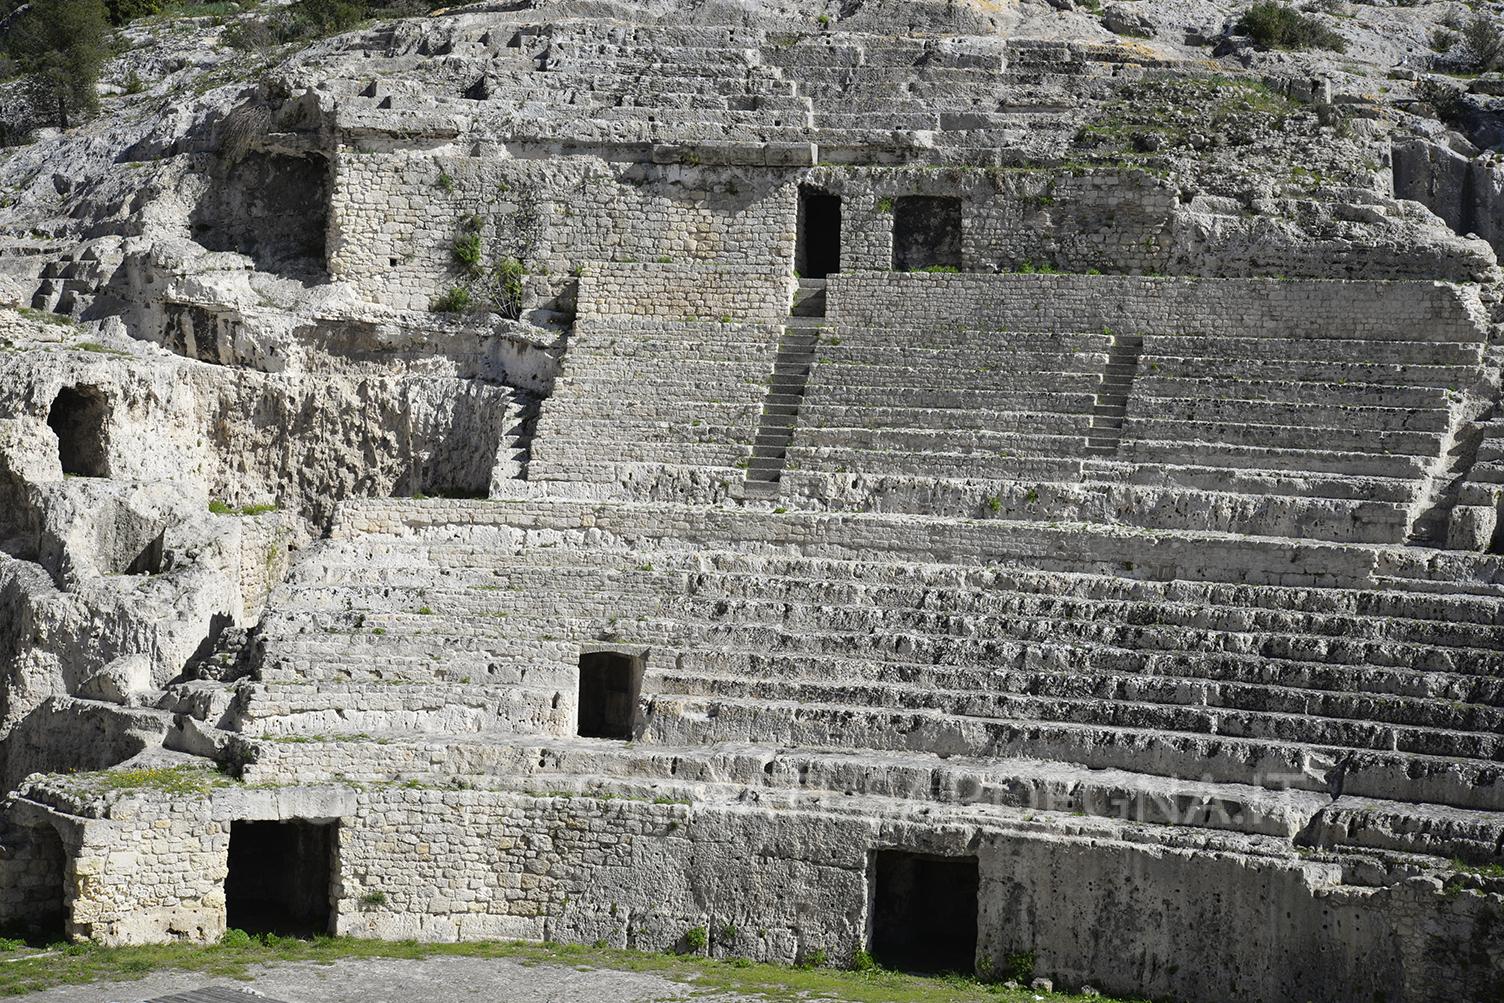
77	417
819	246
924	912
280	877
610	684
43	887
926	234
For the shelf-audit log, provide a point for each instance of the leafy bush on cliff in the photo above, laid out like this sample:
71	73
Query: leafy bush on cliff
1483	37
1275	25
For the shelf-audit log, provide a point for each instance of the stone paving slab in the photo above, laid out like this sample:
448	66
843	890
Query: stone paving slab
429	980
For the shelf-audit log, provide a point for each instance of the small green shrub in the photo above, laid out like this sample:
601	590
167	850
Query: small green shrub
861	961
327	17
122	11
695	939
1019	967
1482	870
235	938
815	959
506	279
254	33
456	300
373	899
1275	25
467	250
885	204
444	182
1483	36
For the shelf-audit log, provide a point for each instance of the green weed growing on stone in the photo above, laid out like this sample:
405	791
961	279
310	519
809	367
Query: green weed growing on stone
455	300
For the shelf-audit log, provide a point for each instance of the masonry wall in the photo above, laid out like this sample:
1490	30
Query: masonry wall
395	217
682	292
1425	311
1011	219
784	883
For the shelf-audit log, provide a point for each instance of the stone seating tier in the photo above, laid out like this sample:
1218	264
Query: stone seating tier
1178	678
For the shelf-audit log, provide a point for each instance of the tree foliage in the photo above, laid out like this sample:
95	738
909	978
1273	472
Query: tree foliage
1275	25
61	45
122	11
1484	37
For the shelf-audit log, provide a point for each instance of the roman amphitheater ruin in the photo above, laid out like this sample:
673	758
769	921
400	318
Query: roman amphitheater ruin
938	479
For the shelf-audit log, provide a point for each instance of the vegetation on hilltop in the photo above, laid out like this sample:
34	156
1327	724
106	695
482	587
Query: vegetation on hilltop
61	45
1273	24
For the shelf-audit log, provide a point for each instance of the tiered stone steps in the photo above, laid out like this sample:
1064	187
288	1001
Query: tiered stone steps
1336	437
864	99
643	403
517	446
1387	694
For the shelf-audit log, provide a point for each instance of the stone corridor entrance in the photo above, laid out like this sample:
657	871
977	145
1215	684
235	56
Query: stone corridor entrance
610	683
280	877
924	912
819	248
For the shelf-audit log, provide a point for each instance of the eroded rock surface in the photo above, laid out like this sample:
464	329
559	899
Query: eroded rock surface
1005	487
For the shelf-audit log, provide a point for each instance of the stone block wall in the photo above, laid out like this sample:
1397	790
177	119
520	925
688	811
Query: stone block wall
396	214
1011	219
784	883
684	292
1428	311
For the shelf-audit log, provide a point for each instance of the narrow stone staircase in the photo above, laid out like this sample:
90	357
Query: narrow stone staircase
780	409
1110	411
1468	443
517	447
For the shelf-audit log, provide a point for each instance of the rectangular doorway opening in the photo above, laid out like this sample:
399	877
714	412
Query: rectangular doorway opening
610	684
924	912
926	234
818	252
42	888
280	877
